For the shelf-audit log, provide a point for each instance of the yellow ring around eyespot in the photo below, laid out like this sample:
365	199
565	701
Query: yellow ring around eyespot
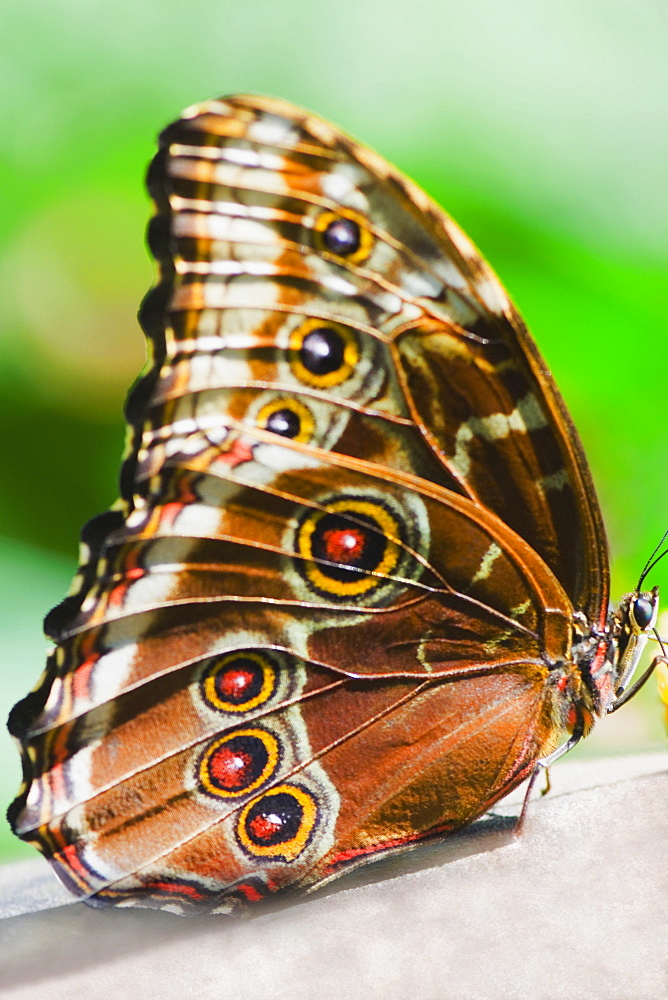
318	577
325	219
268	683
351	354
270	744
290	849
306	421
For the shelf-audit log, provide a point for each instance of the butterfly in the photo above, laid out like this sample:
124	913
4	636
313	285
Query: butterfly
356	586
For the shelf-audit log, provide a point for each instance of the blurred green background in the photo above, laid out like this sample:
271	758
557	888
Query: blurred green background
540	127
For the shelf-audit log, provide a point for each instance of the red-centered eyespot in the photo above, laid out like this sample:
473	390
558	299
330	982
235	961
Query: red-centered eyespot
238	763
278	824
232	769
239	682
265	827
340	540
349	548
274	819
344	545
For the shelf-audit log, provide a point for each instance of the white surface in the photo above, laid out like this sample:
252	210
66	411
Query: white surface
576	907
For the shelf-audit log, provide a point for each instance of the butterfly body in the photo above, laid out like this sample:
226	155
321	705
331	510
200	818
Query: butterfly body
356	585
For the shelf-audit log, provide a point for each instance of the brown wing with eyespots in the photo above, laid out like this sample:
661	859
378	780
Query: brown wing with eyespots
211	683
262	178
330	614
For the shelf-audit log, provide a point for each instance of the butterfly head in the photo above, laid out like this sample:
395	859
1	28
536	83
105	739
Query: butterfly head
632	626
607	658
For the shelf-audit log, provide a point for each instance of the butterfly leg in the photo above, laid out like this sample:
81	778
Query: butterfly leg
635	687
548	784
542	766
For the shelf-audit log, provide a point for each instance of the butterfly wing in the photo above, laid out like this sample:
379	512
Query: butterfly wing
219	725
332	612
273	183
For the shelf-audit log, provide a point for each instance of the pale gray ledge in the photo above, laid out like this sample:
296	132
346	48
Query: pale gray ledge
576	907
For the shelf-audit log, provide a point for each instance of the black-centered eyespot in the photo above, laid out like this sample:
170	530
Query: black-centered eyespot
322	350
643	612
342	236
288	417
284	422
323	355
345	234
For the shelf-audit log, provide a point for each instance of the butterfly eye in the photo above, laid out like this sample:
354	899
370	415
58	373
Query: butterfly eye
642	612
289	418
344	236
344	545
323	355
279	824
238	763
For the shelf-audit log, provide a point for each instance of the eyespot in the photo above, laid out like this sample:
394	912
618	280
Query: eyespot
239	681
287	417
278	824
322	351
284	422
323	354
342	546
343	234
642	612
238	763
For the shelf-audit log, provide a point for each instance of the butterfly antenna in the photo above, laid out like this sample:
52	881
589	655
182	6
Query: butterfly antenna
660	641
653	559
